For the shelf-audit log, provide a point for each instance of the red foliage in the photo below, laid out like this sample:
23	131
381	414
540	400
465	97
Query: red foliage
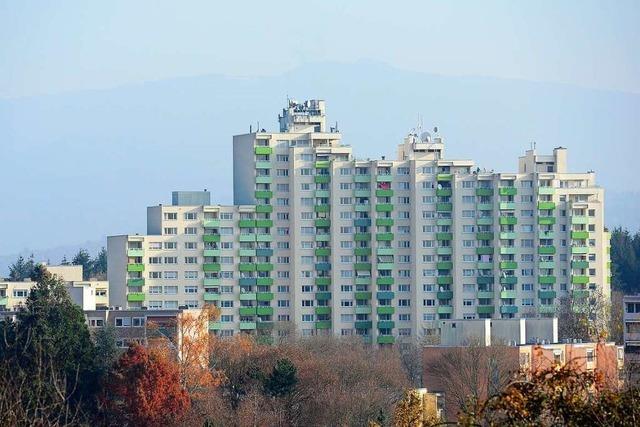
144	389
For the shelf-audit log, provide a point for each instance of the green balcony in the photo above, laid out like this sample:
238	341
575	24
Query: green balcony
265	324
485	280
443	192
508	265
384	280
323	237
547	309
546	220
579	235
484	221
247	237
385	266
580	250
135	252
384	237
211	223
547	264
362	193
247	281
485	309
385	339
264	281
579	264
362	251
508	191
547	235
546	280
247	296
385	251
362	266
211	296
484	250
384	207
363	309
321	193
262	164
546	250
386	324
323	296
484	265
214	326
544	206
136	296
362	207
246	252
212	282
362	178
387	222
508	235
363	324
582	280
384	193
263	194
546	191
264	208
580	293
323	251
384	295
508	220
444	236
322	208
323	310
362	222
508	309
264	296
362	237
264	311
444	177
362	295
264	223
508	280
216	252
508	250
261	179
550	294
246	267
506	206
323	281
444	295
135	268
444	280
444	250
444	207
445	309
322	164
484	206
323	324
510	294
264	266
322	179
135	282
384	178
363	280
484	191
485	294
444	265
263	151
386	309
248	311
248	326
485	235
444	221
579	219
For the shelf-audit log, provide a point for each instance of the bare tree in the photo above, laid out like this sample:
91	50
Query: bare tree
585	318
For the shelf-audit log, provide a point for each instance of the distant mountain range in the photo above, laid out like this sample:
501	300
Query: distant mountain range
79	166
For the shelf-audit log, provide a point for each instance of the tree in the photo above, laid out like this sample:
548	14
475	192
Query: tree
409	411
106	350
21	269
144	389
282	380
82	258
48	356
625	259
585	318
99	265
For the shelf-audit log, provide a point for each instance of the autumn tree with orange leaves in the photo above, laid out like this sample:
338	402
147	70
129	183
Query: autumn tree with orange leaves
144	389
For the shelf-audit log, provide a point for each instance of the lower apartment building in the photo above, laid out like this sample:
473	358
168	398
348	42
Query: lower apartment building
332	244
631	331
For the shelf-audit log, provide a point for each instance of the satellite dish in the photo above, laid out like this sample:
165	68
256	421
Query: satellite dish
425	137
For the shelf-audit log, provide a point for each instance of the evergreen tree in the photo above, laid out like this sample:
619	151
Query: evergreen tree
282	380
82	258
99	265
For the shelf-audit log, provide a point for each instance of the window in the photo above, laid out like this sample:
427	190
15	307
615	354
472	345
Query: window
282	172
226	215
190	274
20	293
190	230
171	260
123	322
170	245
190	245
154	246
155	289
468	199
155	275
170	275
170	216
404	303
170	230
191	260
428	302
283	303
137	322
171	290
190	289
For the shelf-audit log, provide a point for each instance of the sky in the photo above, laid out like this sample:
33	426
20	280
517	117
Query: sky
53	47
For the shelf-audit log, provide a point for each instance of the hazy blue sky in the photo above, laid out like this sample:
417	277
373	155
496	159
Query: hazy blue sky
69	45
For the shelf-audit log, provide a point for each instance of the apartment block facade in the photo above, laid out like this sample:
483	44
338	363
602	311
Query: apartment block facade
332	244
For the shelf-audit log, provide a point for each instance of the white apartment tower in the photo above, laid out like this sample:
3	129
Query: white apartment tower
327	243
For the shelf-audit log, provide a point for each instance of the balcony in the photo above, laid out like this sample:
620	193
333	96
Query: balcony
385	339
484	206
485	294
443	192
267	266
509	280
135	252
323	324
384	237
266	252
484	191
322	208
362	295
579	219
247	311
445	309
322	164
384	178
508	265
247	281
546	191
485	235
384	280
546	250
263	194
444	251
546	280
362	207
211	296
546	235
508	309
444	236
579	235
580	250
136	296
247	296
579	264
321	193
361	237
508	235
362	266
384	295
211	267
261	179
387	222
214	326
544	206
323	266
247	326
264	311
363	280
362	222
485	221
385	251
263	151
322	179
386	324
508	220
134	282
384	193
246	267
546	294
323	251
510	294
215	252
261	164
362	178
445	280
444	221
484	265
508	250
210	238
264	296
385	309
135	268
264	223
444	265
213	282
247	237
485	309
211	223
444	295
507	206
264	281
444	177
323	296
323	237
444	207
363	324
508	191
581	280
363	309
323	281
362	251
546	220
384	207
323	310
547	309
547	265
580	293
264	208
484	250
385	266
485	280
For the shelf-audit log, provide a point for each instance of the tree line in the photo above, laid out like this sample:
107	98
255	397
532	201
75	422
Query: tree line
95	267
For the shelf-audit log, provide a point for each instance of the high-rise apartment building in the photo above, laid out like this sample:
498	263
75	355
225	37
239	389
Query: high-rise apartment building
380	248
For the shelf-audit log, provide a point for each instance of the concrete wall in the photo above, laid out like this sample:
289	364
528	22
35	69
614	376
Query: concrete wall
243	169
